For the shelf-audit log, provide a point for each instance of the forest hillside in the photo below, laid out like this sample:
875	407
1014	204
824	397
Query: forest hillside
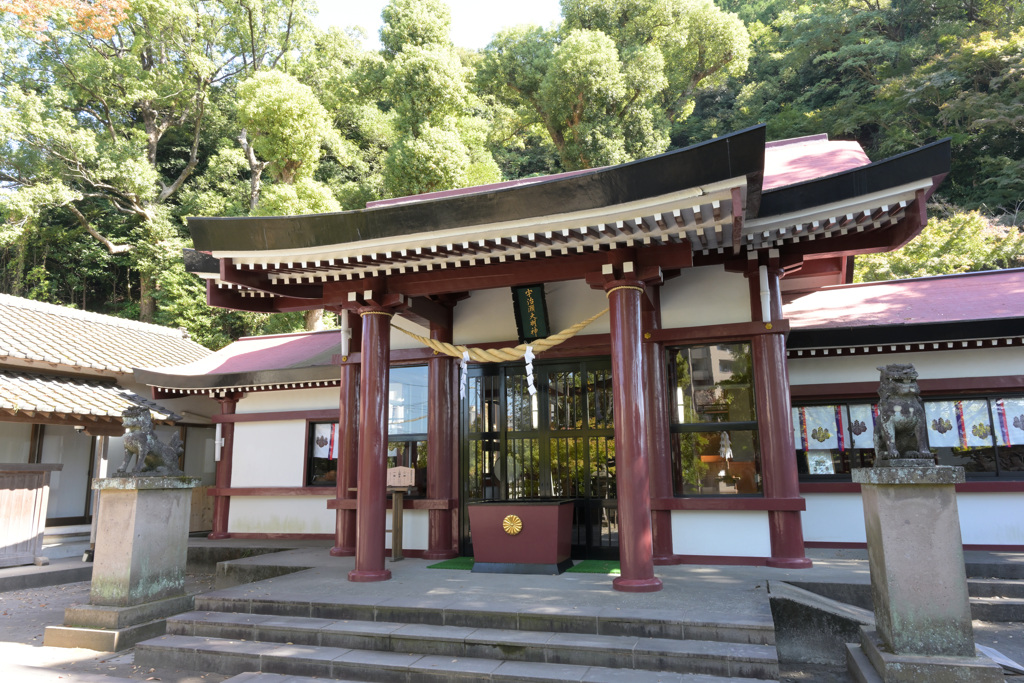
120	118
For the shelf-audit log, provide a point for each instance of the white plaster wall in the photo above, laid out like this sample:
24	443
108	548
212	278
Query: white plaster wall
573	301
415	529
731	533
486	316
69	487
985	518
705	296
323	398
970	362
199	454
991	518
833	518
400	340
268	454
115	456
281	514
15	438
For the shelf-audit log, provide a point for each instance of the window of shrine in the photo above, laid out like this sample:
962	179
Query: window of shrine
714	423
984	435
407	432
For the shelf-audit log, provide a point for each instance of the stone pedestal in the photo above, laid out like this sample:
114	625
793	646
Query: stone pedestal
918	580
138	576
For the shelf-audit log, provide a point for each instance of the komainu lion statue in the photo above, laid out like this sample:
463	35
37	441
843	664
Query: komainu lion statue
152	456
901	433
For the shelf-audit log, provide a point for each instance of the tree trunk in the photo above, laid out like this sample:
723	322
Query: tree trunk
315	320
147	304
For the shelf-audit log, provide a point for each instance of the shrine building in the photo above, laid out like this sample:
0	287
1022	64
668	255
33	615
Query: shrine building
672	344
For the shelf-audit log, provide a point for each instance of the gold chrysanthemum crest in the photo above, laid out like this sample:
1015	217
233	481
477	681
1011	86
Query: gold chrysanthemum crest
512	525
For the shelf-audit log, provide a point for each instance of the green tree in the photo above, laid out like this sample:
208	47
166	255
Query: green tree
85	116
284	127
608	84
958	242
437	145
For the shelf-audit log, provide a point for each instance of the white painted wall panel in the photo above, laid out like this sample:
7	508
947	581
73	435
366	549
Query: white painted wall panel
69	487
705	296
574	301
971	362
115	456
991	518
15	438
985	518
281	515
400	340
833	518
268	454
324	398
731	533
415	529
486	316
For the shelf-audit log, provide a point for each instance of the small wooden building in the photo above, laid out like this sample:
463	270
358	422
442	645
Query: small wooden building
666	420
65	378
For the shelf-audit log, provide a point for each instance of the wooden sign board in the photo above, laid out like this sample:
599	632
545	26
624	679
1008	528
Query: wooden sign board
531	310
400	477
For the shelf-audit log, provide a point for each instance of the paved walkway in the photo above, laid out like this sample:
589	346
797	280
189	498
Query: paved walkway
700	592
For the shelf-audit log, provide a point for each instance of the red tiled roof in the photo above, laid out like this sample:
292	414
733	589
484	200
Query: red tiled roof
66	338
278	352
787	162
22	392
990	295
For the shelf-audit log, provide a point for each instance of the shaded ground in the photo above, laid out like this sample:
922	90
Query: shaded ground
24	616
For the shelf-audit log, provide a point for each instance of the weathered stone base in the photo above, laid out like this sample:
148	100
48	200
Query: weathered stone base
870	664
915	551
111	629
141	540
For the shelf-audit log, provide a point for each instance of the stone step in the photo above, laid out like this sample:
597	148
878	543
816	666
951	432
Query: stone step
598	621
643	677
998	609
1010	567
995	588
621	652
232	657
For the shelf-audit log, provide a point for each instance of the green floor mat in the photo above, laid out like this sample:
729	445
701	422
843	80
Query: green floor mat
596	567
454	563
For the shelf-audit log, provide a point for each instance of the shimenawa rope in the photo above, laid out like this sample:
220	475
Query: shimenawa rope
506	354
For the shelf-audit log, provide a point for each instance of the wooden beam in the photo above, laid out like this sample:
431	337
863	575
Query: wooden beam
513	273
426	313
260	281
737	219
232	299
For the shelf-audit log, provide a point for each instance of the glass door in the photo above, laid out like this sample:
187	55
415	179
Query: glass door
557	443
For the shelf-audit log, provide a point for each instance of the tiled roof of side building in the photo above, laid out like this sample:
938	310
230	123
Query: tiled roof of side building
966	298
68	339
22	392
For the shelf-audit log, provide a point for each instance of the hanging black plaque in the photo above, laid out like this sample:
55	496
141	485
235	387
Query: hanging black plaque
531	312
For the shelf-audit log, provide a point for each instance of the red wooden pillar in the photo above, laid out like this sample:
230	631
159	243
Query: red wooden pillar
775	432
631	442
348	464
658	437
440	443
371	504
222	503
